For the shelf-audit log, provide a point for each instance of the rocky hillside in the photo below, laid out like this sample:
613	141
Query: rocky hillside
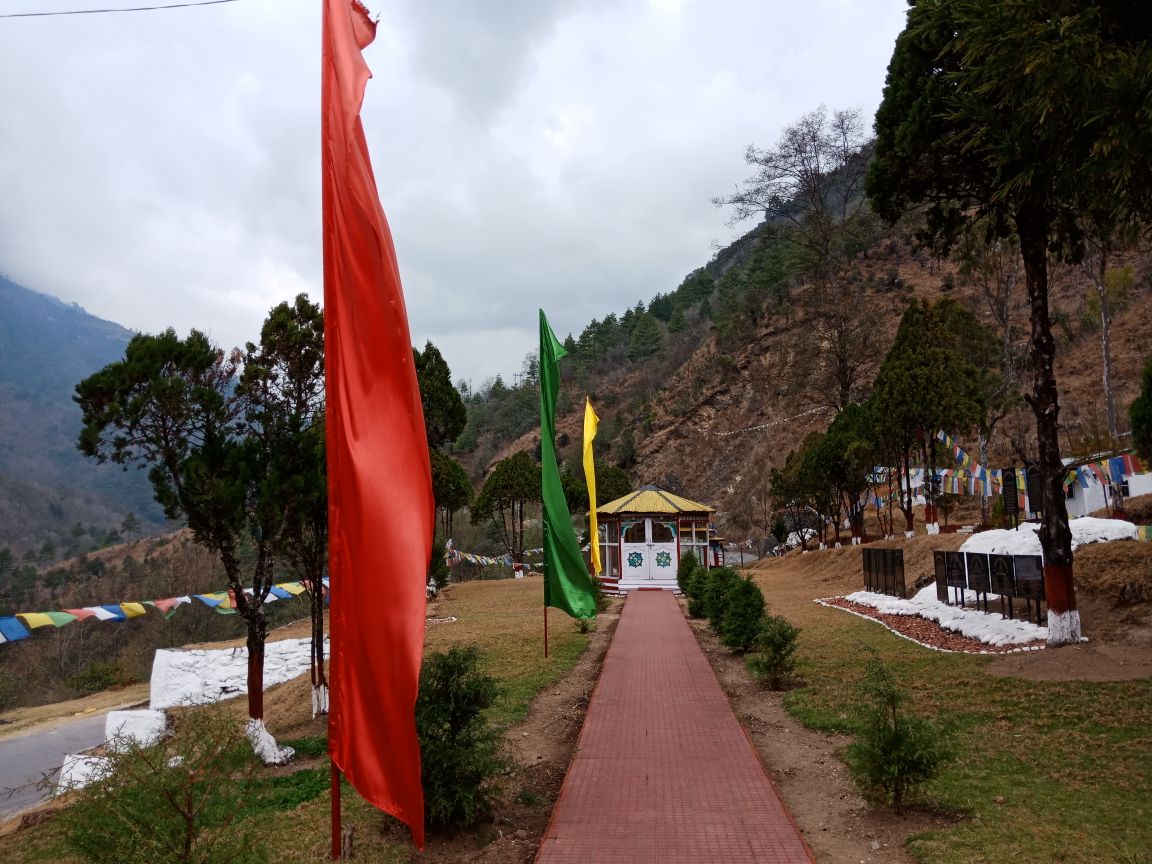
710	417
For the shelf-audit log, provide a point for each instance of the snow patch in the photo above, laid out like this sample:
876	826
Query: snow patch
989	629
1025	541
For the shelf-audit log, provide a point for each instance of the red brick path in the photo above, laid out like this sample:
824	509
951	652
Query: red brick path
663	772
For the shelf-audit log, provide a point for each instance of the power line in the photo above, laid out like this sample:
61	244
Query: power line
106	11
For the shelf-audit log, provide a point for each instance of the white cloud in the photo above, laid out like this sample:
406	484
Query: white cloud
163	168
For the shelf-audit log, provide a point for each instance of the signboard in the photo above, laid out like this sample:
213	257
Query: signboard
1029	576
1002	575
954	566
896	557
979	576
1011	502
884	571
1035	490
940	564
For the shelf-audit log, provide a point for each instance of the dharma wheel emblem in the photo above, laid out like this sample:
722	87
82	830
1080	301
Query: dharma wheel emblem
663	559
635	559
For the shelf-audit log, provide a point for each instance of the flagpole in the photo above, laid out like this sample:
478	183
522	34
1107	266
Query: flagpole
336	831
545	632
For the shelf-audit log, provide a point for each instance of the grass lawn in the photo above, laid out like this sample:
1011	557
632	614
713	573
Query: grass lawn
1043	771
504	618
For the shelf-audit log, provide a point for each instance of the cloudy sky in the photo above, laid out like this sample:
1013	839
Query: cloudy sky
162	168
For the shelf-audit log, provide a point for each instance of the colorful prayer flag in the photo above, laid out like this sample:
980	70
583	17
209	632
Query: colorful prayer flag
378	468
591	424
567	584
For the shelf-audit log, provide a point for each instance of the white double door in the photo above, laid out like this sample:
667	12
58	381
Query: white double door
648	551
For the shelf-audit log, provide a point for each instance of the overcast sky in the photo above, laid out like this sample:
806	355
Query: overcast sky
162	168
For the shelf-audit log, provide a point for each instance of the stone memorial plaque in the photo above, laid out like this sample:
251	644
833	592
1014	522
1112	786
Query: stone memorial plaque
1002	575
896	557
979	577
1029	576
940	564
1011	500
954	562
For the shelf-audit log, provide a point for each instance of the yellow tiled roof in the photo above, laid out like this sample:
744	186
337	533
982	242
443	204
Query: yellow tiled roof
649	499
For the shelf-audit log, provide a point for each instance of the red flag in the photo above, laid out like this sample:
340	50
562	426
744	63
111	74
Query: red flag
380	510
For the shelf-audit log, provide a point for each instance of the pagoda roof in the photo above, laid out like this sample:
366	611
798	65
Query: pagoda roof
649	499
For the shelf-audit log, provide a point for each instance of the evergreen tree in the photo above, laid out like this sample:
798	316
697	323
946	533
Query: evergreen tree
444	411
1140	415
993	111
646	338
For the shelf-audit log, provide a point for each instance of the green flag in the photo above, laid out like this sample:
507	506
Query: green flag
567	584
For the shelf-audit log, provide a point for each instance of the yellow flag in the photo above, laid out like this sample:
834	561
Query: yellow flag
591	423
133	610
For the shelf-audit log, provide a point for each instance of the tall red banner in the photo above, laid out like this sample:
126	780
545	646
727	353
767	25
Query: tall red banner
379	483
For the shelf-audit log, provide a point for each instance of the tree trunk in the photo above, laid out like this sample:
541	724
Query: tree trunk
983	448
1055	534
257	628
1106	347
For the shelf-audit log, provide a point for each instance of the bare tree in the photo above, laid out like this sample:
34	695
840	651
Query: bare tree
810	186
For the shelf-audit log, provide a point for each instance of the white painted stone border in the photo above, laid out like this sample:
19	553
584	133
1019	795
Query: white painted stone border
824	602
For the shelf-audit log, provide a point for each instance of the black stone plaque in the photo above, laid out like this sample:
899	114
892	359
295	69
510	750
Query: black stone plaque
954	562
1002	575
896	556
869	570
1011	501
940	564
979	577
1029	576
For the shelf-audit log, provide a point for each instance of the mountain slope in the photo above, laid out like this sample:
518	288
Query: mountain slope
46	486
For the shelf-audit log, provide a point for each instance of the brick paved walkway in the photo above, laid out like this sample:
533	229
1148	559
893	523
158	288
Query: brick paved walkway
663	771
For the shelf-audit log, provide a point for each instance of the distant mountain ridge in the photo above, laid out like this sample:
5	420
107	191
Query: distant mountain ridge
46	486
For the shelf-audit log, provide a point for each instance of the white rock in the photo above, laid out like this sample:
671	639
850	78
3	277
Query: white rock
144	727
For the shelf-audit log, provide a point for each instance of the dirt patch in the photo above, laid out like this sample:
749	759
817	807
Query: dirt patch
1089	661
806	767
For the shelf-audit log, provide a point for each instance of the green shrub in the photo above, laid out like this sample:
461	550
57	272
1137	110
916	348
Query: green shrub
685	570
695	586
720	581
895	751
742	616
775	657
176	801
458	745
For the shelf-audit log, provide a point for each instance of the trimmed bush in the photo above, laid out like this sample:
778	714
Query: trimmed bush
895	751
695	584
459	747
717	585
775	657
742	616
685	570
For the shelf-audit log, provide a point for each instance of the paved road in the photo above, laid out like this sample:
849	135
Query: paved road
27	757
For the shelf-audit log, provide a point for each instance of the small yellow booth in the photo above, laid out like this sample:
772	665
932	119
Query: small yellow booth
644	534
